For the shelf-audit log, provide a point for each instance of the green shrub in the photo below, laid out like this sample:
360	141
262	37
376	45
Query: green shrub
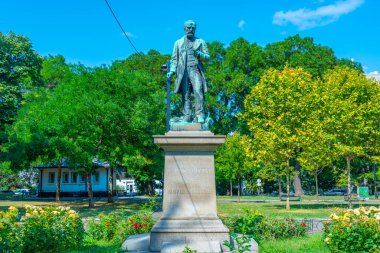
262	228
118	226
244	224
9	238
106	228
50	229
356	230
280	228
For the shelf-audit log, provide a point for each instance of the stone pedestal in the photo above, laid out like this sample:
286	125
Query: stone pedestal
189	200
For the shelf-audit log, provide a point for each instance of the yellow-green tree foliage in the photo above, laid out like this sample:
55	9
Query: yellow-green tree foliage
351	113
275	111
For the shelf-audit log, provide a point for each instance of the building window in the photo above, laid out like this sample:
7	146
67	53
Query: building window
51	178
82	178
96	177
74	178
65	177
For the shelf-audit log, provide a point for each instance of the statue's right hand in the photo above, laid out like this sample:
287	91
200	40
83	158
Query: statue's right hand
169	74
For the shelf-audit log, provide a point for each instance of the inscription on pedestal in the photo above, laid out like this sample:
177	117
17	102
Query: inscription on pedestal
191	191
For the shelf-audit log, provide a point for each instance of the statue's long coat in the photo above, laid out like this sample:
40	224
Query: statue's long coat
178	61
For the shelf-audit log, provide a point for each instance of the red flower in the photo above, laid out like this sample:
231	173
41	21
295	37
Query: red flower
137	225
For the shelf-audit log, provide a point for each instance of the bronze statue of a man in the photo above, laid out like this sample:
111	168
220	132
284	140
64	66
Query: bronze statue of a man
188	52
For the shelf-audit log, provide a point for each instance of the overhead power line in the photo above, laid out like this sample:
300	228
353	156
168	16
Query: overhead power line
121	27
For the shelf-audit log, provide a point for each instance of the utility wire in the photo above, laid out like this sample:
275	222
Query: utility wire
125	34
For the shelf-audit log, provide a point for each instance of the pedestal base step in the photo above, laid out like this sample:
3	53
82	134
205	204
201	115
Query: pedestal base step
199	246
141	244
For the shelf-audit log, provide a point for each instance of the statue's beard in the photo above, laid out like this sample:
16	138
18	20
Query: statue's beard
190	35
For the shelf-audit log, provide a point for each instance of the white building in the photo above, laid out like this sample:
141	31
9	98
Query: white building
126	185
73	182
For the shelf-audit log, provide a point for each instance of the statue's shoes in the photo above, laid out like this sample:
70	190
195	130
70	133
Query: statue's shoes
187	119
200	119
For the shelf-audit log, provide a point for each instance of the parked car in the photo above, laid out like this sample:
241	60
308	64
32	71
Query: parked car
21	192
334	192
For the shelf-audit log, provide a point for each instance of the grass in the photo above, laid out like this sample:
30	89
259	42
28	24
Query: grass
277	209
309	243
80	206
94	246
303	198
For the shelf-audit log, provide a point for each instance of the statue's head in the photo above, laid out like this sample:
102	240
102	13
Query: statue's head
190	26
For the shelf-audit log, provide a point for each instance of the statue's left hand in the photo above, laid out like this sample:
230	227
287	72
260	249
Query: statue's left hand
201	55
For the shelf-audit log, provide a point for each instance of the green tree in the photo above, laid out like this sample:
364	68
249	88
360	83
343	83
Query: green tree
232	162
37	135
275	112
231	73
102	114
20	66
144	160
295	52
352	113
318	152
316	59
54	70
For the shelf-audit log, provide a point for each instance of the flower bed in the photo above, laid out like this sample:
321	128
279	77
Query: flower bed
354	230
49	229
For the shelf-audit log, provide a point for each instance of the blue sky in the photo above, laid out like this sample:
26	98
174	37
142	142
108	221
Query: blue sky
85	30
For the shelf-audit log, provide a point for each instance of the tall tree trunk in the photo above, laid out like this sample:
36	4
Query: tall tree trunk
297	181
348	159
110	185
58	184
89	190
316	185
287	185
279	187
231	188
239	190
374	179
150	188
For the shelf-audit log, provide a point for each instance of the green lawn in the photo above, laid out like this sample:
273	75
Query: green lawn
277	209
92	246
80	206
303	198
309	243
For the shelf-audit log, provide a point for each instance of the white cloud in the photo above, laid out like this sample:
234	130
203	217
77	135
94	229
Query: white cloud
129	34
241	24
374	74
306	18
